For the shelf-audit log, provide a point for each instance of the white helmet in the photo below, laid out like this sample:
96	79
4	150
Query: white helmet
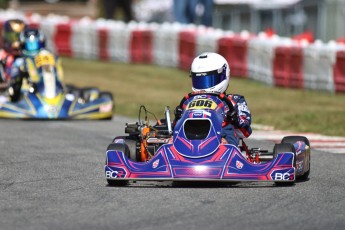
210	72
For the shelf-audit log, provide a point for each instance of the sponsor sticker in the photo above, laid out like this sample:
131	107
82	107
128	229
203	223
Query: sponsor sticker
105	108
239	164
155	164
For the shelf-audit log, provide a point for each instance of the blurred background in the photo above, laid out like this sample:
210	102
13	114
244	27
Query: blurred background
322	19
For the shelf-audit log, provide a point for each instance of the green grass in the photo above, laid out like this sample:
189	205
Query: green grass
156	87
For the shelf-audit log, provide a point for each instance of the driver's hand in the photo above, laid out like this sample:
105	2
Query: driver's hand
178	112
232	117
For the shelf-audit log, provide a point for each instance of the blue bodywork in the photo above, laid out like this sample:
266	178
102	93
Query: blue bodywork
196	153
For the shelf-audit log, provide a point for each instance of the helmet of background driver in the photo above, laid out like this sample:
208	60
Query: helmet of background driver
11	31
210	72
32	41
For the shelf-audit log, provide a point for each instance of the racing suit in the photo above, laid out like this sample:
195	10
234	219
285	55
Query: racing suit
17	75
6	62
234	127
237	127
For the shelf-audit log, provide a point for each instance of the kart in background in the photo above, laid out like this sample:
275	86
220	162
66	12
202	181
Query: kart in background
47	98
192	150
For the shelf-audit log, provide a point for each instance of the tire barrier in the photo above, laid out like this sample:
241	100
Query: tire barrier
297	62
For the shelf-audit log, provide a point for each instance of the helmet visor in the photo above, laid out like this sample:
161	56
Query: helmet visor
207	80
32	45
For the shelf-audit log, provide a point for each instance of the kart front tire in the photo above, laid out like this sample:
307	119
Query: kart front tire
292	140
122	148
131	143
282	148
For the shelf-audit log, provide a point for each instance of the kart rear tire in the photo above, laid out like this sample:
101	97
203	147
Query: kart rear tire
292	140
123	148
71	89
280	148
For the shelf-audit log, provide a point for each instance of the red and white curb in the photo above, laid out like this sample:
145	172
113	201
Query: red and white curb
319	142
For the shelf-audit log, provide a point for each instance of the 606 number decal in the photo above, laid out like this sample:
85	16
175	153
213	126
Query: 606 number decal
201	104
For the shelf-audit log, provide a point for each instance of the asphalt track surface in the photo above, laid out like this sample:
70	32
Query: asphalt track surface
52	177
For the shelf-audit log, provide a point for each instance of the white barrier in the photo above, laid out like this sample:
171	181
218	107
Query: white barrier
165	44
319	60
260	58
207	40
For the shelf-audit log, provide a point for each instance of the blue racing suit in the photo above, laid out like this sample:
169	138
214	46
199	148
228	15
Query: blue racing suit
242	127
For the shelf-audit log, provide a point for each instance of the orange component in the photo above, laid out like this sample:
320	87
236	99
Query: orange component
143	145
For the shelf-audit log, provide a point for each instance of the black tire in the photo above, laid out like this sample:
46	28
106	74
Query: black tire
71	89
281	148
123	148
89	94
292	140
131	143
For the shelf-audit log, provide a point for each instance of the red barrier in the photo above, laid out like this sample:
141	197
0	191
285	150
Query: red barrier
187	49
288	66
141	46
235	51
62	39
103	51
339	72
296	67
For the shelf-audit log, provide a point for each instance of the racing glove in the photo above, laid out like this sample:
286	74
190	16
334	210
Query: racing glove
232	118
178	112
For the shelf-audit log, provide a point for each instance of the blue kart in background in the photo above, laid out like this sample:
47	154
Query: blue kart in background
47	98
192	150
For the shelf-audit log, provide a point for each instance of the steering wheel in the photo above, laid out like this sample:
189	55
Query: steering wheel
221	96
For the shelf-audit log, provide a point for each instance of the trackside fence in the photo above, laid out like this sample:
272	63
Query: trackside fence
273	60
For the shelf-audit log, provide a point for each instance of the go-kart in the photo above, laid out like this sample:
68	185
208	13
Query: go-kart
46	97
192	150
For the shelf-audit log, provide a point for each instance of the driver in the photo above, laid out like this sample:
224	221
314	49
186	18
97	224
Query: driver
32	42
210	73
11	49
